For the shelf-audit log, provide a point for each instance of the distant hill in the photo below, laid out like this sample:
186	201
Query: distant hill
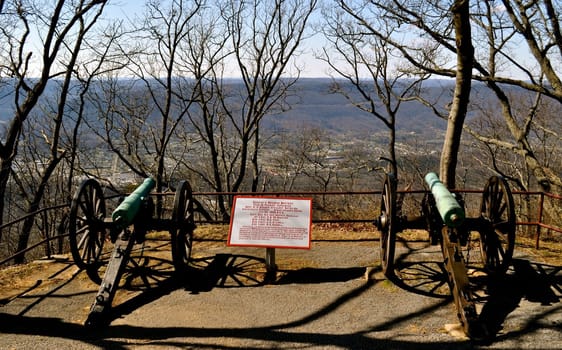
313	105
317	107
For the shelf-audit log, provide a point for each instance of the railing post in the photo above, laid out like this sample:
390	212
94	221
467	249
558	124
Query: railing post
541	203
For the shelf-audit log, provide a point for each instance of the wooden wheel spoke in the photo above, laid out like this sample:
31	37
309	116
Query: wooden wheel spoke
498	238
91	244
84	239
89	200
387	225
87	253
85	208
82	229
85	232
181	230
501	251
501	210
502	226
99	243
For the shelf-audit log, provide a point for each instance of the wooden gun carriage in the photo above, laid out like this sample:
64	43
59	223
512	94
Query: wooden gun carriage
90	229
443	216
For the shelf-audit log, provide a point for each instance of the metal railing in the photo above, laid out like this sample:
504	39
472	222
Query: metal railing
324	214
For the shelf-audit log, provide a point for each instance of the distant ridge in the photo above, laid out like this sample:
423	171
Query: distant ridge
313	105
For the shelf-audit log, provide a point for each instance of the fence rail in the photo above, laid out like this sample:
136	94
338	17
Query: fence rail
370	198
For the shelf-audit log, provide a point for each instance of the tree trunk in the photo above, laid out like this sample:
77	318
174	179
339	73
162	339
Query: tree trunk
33	207
5	166
457	114
255	161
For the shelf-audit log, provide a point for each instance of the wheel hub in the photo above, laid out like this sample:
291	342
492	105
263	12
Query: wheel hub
381	222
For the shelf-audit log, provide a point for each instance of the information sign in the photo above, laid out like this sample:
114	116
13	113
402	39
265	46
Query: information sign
274	222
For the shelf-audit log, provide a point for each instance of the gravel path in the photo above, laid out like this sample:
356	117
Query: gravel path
330	297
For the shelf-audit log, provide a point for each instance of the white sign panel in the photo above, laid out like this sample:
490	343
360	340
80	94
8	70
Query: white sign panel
271	222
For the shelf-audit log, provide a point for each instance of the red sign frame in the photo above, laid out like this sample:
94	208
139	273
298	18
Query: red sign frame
272	222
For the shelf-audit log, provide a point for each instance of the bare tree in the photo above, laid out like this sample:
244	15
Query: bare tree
505	27
264	37
208	142
38	181
289	163
142	105
424	34
372	43
496	151
302	160
99	59
373	79
264	47
60	28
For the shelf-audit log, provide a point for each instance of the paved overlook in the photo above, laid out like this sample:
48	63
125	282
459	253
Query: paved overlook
332	296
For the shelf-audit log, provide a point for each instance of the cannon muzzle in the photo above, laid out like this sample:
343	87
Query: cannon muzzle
450	210
125	213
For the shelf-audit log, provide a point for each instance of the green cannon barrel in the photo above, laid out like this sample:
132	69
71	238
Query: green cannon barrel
450	210
125	213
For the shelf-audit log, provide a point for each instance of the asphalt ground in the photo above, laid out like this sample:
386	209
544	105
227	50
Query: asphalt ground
332	296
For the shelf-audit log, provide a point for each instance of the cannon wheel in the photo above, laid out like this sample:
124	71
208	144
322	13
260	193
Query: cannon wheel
387	225
183	224
86	227
497	238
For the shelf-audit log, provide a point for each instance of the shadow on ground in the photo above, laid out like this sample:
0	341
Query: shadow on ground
498	297
533	282
278	336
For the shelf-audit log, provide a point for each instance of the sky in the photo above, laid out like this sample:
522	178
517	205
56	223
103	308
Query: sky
312	67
